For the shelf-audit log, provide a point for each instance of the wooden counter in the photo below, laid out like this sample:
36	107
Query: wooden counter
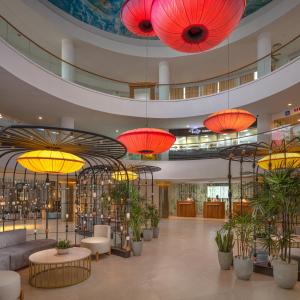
246	208
186	209
214	210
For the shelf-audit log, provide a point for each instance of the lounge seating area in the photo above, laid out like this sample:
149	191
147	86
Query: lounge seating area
15	250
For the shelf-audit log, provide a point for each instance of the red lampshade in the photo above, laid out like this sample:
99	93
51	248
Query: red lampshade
195	25
229	120
136	16
147	140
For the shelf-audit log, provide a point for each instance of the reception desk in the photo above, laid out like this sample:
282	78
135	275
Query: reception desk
246	208
186	209
214	210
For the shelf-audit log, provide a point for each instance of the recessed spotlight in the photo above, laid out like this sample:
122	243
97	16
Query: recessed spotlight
188	126
117	130
290	104
298	120
40	118
1	116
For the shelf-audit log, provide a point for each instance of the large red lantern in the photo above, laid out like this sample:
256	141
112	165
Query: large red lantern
147	140
229	120
136	16
195	25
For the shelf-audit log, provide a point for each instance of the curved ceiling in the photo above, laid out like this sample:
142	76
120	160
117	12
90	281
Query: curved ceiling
105	14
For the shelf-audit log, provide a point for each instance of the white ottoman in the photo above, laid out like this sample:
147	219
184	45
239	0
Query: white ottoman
10	285
97	245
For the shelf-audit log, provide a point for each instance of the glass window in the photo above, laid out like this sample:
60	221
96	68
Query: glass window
217	190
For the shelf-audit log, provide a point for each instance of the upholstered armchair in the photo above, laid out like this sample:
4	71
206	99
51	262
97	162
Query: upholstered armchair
100	243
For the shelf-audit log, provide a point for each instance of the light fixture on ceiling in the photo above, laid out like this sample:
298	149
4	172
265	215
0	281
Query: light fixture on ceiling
40	117
1	116
290	104
50	161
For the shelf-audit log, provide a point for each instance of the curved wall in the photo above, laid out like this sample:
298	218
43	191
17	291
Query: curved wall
31	73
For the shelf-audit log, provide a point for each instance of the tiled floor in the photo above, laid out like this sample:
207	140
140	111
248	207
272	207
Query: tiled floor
181	264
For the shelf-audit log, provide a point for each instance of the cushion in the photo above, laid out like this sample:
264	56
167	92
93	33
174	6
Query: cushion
13	237
10	285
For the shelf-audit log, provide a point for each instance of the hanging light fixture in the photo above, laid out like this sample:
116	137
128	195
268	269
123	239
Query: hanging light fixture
195	25
123	176
229	120
279	161
147	140
136	16
49	161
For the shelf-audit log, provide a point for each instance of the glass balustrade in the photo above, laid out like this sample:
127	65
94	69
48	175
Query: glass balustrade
180	91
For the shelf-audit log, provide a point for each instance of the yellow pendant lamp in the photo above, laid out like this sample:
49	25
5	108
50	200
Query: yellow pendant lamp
49	161
121	175
280	160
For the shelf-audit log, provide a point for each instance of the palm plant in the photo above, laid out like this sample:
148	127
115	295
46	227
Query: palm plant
136	215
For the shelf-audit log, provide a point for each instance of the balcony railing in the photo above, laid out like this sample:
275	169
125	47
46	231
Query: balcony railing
175	91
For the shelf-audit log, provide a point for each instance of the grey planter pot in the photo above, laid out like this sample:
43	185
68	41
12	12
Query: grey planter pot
243	267
285	274
225	260
137	248
148	234
155	232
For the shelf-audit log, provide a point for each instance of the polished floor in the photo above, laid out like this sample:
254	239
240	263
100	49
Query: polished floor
180	265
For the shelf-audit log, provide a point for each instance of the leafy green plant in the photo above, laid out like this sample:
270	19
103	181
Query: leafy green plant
136	214
146	215
64	244
154	215
279	201
243	229
224	240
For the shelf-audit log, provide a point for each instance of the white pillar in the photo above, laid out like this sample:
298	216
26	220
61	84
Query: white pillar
164	78
65	122
68	55
264	47
264	123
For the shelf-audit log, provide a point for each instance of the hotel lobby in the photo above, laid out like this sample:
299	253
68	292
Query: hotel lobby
149	149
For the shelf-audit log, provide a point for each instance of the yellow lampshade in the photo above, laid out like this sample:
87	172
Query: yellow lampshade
121	175
280	160
52	162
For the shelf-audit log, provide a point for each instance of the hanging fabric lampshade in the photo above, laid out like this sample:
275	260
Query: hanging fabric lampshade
52	162
123	176
147	140
229	120
195	25
279	161
136	16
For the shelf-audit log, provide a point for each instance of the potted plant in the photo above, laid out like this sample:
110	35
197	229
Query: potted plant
243	232
225	242
147	231
154	217
63	246
284	200
135	223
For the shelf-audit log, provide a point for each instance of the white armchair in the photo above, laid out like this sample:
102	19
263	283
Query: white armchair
100	243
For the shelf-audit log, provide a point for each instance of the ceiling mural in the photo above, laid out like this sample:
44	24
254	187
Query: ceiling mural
105	14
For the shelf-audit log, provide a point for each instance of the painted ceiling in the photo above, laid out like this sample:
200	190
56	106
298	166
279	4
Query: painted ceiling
105	14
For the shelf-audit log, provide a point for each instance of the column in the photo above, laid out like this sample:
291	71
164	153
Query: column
163	192
264	123
65	122
68	55
164	78
264	47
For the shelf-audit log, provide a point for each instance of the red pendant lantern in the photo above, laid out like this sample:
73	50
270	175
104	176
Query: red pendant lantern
195	25
147	140
229	120
136	16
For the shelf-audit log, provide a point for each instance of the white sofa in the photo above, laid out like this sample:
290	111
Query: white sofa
100	243
10	286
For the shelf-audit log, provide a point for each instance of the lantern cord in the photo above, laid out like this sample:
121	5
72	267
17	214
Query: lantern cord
228	72
146	78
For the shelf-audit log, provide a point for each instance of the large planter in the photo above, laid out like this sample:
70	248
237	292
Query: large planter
225	260
137	248
285	274
155	232
148	234
243	267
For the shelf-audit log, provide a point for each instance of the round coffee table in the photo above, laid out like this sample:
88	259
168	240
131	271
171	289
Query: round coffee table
49	270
